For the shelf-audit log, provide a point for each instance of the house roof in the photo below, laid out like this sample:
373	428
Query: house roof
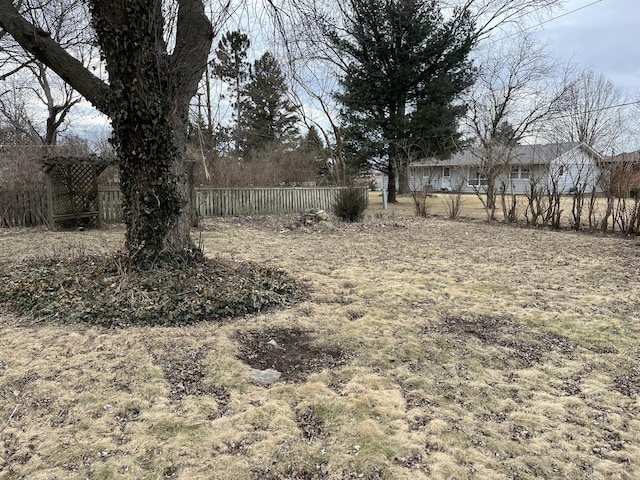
523	155
628	157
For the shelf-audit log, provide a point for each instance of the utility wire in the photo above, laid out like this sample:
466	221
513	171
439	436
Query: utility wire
544	21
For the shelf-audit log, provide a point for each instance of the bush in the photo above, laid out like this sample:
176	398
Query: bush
350	205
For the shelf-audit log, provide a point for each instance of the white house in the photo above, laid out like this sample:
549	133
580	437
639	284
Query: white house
569	165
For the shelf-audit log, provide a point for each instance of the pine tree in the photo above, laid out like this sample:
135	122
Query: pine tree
313	143
231	66
407	66
267	115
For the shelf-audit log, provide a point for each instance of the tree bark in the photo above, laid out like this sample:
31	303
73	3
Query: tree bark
391	186
403	176
153	90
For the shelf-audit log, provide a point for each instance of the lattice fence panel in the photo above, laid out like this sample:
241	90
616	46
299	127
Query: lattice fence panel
62	197
85	194
73	190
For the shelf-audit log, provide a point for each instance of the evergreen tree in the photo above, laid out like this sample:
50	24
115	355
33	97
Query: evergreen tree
506	135
267	115
407	66
231	66
313	143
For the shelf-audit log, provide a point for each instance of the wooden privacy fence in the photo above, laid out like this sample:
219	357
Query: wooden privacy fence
110	205
211	202
29	208
23	208
243	201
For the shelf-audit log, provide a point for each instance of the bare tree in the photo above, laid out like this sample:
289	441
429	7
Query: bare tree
65	22
16	125
58	97
511	97
589	111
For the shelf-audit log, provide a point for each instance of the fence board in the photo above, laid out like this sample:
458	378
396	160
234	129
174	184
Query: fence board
23	208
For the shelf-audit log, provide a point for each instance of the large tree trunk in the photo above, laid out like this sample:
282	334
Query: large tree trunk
156	193
391	186
153	90
403	176
146	135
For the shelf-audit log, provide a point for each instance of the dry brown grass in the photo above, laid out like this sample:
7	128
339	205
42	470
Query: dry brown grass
475	351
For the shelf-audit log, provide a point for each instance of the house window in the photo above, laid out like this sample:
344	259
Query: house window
446	172
475	178
425	172
519	172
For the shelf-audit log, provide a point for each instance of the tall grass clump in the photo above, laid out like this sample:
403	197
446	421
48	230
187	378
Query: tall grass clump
350	205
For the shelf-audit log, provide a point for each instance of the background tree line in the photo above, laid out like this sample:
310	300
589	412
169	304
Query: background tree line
261	143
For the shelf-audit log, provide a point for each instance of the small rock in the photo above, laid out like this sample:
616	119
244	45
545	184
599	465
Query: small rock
322	216
266	377
314	215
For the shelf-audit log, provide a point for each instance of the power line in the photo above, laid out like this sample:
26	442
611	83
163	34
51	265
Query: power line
596	110
545	21
565	14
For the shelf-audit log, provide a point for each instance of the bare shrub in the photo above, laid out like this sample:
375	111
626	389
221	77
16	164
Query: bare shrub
626	215
453	200
536	212
20	168
577	206
420	192
543	201
420	202
268	168
350	205
509	202
623	193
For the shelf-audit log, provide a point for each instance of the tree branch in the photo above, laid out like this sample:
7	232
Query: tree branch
194	34
49	52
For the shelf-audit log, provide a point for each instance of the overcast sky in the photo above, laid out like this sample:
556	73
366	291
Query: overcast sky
601	35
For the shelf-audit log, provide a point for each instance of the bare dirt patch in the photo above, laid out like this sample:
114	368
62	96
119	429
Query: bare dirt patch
627	381
529	345
291	352
293	472
311	426
185	372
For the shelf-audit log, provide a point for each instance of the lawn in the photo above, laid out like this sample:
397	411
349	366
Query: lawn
426	348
